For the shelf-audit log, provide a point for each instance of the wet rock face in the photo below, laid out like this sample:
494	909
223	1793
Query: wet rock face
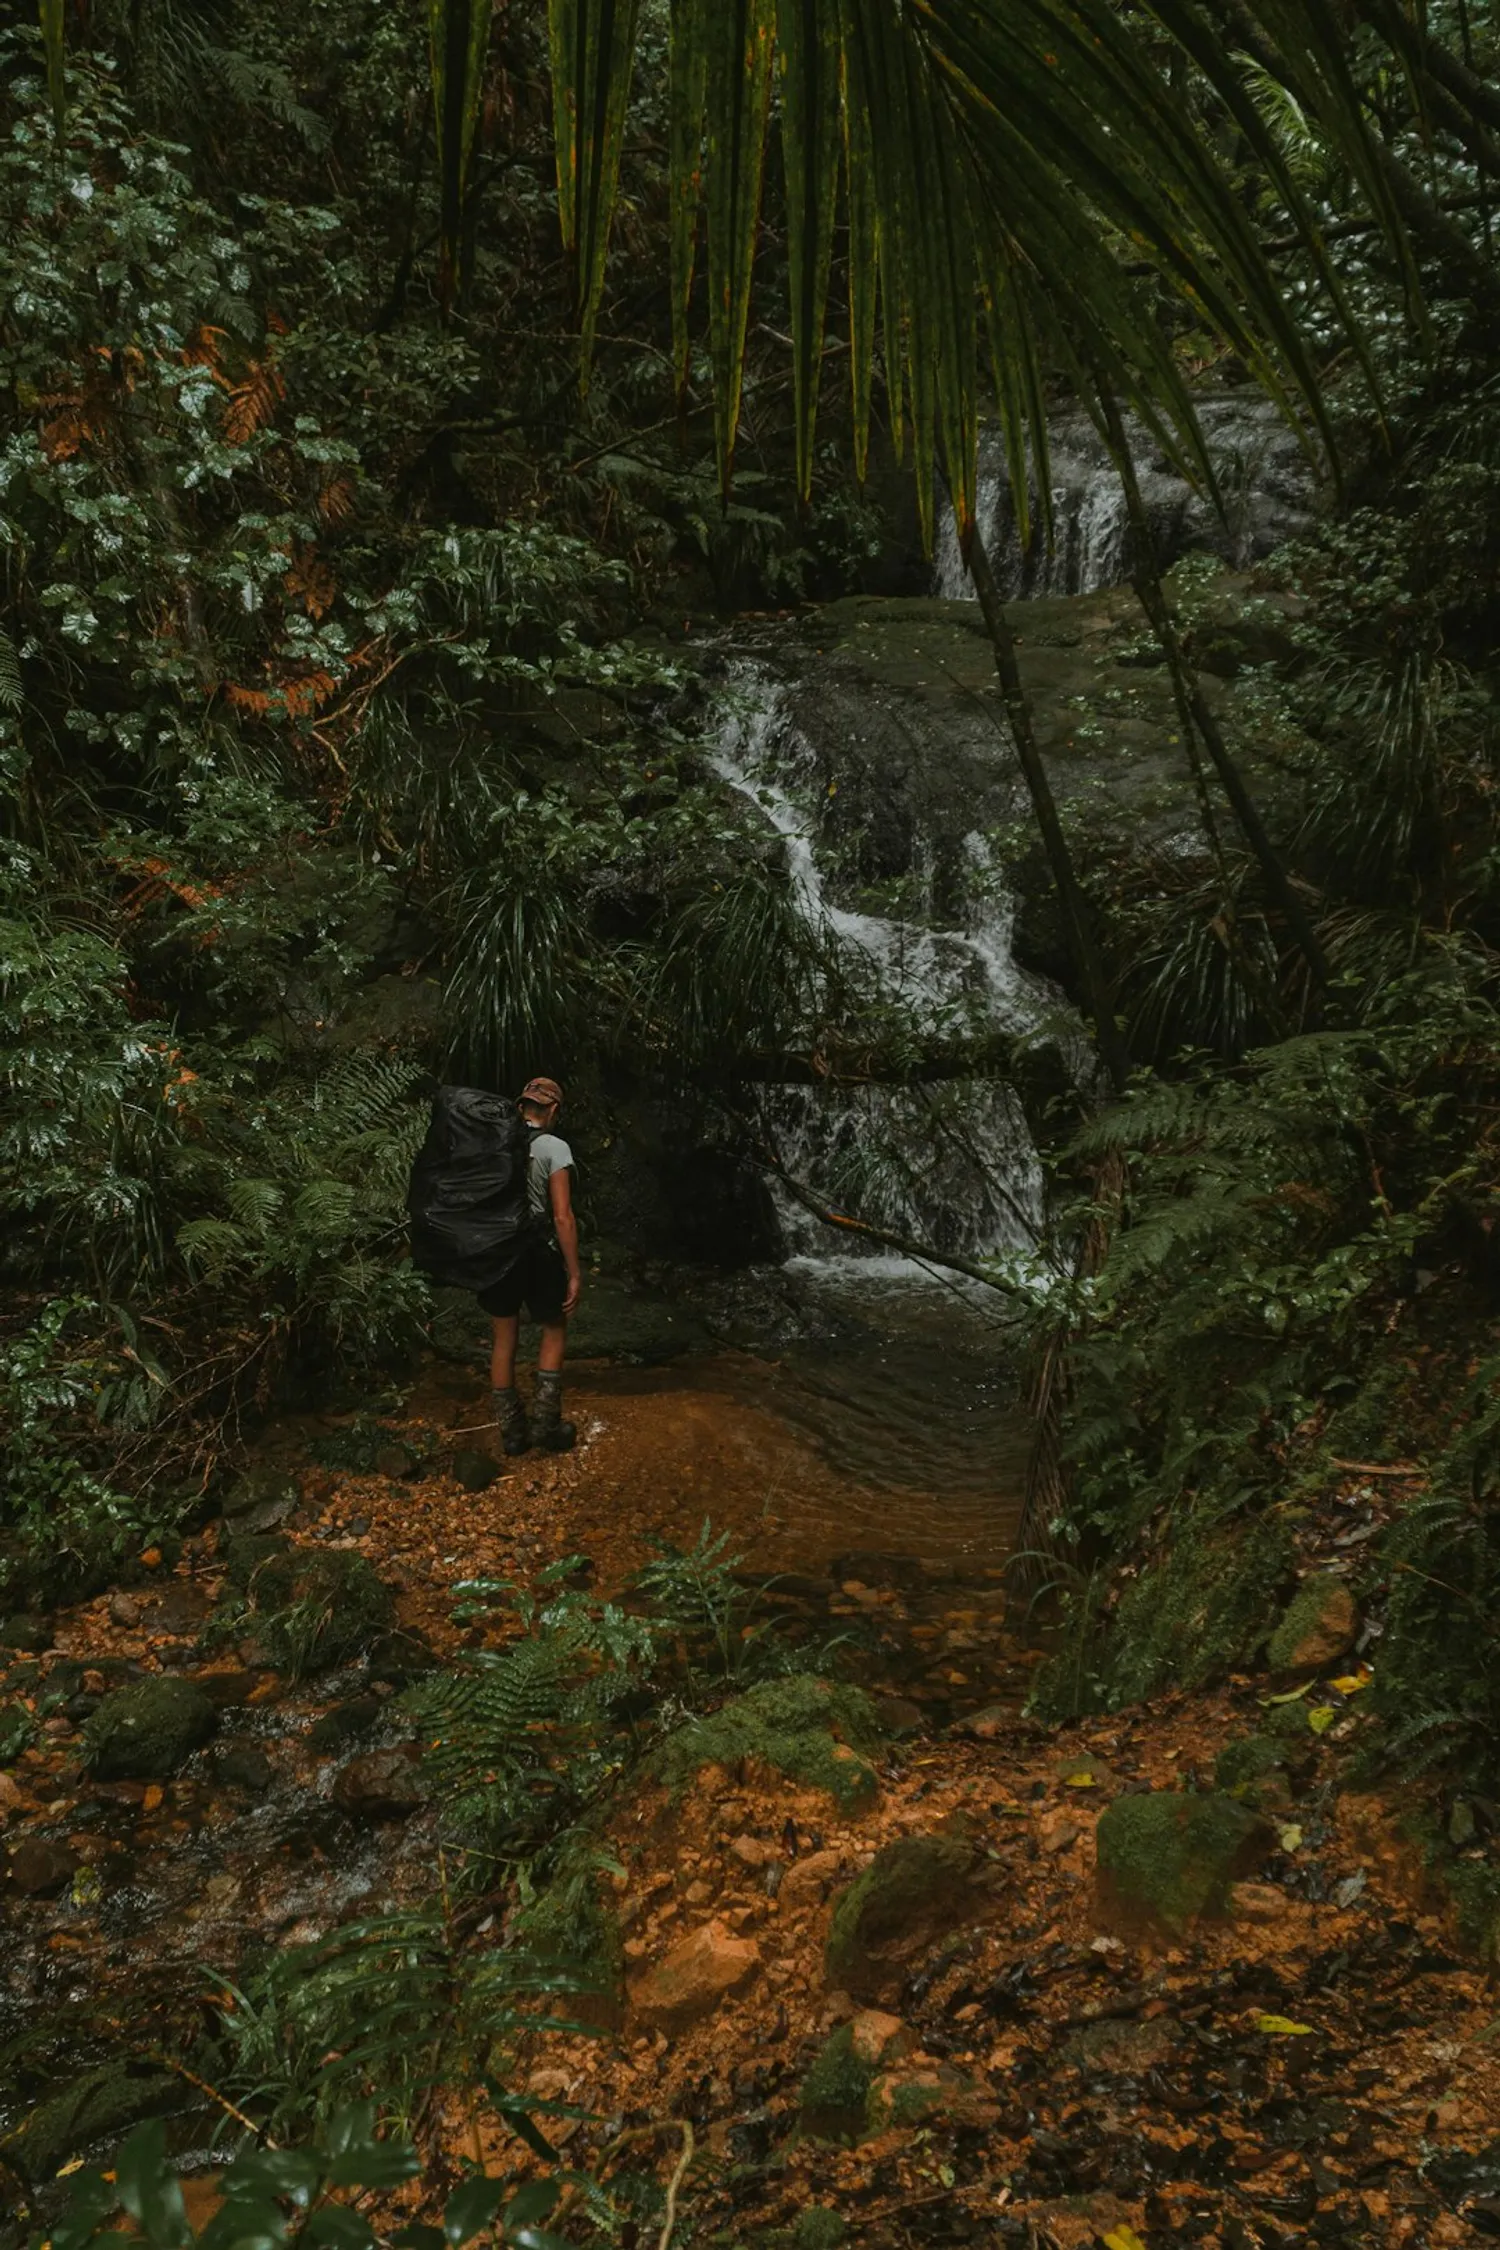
1167	1860
1264	481
690	1981
39	1869
382	1785
149	1731
913	1892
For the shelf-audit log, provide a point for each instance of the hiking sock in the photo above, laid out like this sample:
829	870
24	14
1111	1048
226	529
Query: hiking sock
510	1414
548	1429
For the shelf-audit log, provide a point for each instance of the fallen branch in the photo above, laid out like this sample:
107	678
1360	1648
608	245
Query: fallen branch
908	1246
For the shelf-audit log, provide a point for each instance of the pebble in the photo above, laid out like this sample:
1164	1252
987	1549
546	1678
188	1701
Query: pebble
124	1611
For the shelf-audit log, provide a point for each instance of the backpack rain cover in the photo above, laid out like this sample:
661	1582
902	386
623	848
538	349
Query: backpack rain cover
467	1202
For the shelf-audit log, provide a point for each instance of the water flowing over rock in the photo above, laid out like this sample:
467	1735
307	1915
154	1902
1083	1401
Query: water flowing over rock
922	922
1264	480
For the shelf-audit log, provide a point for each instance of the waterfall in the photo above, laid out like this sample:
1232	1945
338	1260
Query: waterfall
1263	478
952	1162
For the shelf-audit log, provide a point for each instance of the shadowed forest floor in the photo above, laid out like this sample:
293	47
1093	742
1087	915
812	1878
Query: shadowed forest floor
1321	2063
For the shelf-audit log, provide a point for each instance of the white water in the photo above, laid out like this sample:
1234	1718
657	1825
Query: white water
952	1162
1263	480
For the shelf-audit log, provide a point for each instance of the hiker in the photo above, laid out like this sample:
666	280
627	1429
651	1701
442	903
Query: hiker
544	1278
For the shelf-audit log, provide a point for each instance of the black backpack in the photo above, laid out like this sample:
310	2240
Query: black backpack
467	1202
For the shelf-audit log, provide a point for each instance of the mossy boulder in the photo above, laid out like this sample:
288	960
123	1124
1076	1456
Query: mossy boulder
1257	1771
1317	1628
818	2228
98	2105
914	1891
916	2097
147	1732
814	1731
1167	1859
836	2090
310	1608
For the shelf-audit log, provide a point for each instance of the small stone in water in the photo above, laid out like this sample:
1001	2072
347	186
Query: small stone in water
124	1611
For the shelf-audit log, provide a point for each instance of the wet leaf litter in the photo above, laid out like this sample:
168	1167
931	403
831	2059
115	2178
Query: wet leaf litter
1313	2059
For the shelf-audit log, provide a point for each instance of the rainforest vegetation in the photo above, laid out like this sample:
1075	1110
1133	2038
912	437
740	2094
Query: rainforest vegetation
376	459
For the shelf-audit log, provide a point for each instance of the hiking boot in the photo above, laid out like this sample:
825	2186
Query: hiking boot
510	1414
548	1429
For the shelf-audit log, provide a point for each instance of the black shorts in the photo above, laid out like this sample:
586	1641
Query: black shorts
538	1280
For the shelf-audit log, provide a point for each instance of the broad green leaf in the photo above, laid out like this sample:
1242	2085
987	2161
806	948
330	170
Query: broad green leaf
458	35
339	2227
537	2200
808	53
148	2188
473	2205
593	54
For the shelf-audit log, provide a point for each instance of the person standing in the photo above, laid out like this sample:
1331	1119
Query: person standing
545	1279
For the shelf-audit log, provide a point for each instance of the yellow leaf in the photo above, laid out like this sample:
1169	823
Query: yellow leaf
1322	1719
1123	2237
1352	1682
1291	1837
1081	1780
1282	2027
1293	1695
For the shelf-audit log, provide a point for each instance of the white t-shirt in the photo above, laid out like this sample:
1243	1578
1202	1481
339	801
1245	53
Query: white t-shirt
548	1155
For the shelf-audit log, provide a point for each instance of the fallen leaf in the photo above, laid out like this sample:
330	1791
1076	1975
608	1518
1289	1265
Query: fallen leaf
1352	1682
1322	1718
153	1797
1123	2237
1291	1837
1293	1695
1080	1780
1282	2027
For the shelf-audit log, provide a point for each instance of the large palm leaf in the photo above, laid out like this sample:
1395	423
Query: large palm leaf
995	156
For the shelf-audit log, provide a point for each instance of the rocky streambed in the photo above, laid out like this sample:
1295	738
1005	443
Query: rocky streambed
893	1953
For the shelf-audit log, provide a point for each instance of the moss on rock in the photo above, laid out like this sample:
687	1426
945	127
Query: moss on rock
914	1890
310	1608
147	1732
811	1730
1317	1628
1165	1859
836	2090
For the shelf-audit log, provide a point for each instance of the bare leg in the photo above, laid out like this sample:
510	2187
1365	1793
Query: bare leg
553	1347
503	1355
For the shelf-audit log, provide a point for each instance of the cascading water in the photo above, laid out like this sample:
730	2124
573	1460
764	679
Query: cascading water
1263	480
950	1163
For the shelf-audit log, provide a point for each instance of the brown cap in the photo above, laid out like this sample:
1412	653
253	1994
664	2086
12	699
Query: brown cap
545	1091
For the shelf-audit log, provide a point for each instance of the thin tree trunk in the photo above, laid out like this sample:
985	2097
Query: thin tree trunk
1193	712
1081	940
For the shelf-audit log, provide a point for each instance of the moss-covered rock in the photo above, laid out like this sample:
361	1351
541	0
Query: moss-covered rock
813	1731
1166	1859
1257	1771
836	2090
914	1891
149	1731
98	2106
916	2097
1317	1628
310	1608
818	2228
